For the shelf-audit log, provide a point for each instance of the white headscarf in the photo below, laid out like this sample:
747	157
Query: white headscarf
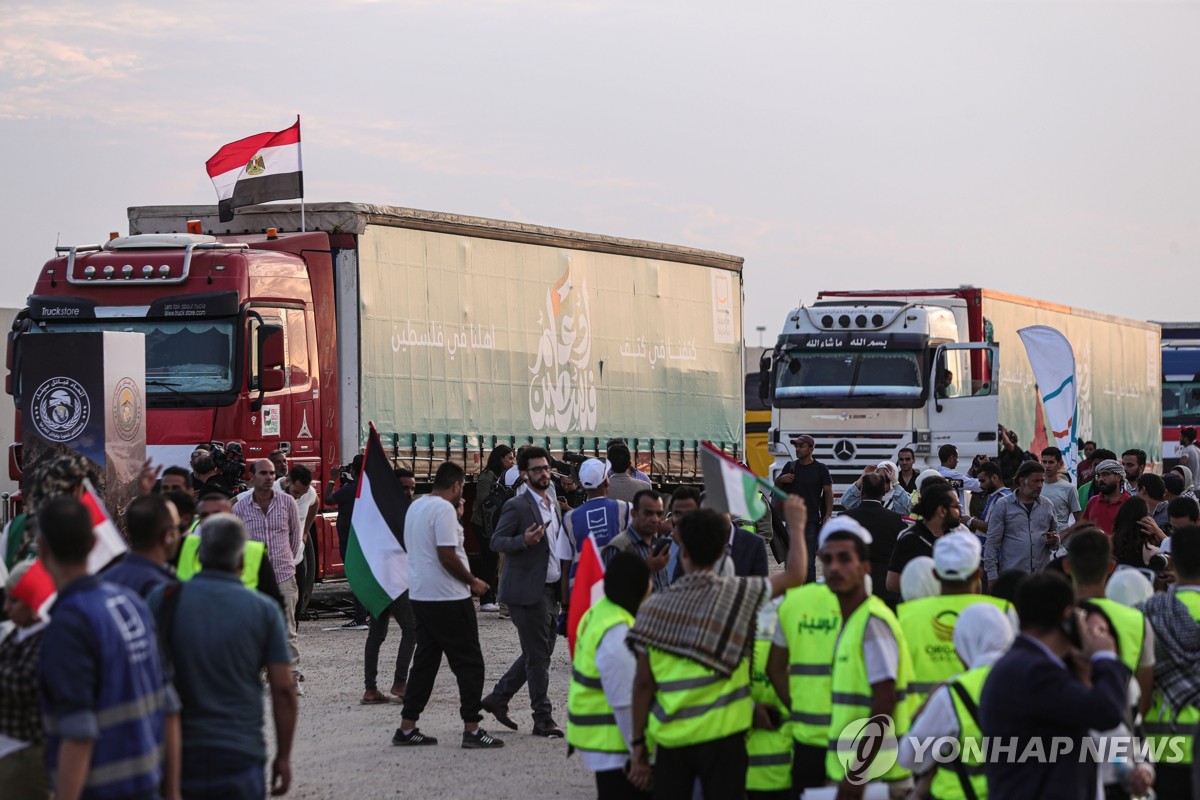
891	470
918	580
1128	587
982	634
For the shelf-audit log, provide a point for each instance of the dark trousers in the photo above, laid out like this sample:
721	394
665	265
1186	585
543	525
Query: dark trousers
719	766
360	611
613	785
1173	780
537	628
209	773
489	560
448	627
401	611
808	768
810	540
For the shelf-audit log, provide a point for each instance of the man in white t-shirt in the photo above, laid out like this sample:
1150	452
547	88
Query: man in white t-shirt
440	585
1189	454
1059	491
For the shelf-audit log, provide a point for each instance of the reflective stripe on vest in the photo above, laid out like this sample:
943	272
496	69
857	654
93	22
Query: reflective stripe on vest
189	560
694	704
1129	628
947	784
810	618
769	753
851	692
1169	736
591	724
928	625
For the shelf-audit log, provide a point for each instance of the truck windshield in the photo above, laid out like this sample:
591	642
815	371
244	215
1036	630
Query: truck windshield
885	378
181	357
1181	402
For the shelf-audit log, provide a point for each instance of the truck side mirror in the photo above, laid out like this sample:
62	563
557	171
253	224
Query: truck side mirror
764	379
270	362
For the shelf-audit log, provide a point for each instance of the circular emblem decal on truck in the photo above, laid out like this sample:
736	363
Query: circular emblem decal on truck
127	409
60	409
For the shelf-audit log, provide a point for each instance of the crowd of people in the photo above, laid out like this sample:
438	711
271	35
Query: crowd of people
1005	603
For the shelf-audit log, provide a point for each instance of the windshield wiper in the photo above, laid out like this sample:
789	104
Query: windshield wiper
170	387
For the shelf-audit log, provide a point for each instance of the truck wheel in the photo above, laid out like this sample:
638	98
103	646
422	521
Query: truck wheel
306	575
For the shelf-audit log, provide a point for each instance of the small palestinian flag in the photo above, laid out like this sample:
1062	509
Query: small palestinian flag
376	563
728	486
257	169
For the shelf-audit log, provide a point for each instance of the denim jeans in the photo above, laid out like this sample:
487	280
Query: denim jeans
211	773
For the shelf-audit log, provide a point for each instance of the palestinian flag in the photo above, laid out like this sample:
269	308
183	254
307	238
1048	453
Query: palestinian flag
257	169
728	486
109	543
376	563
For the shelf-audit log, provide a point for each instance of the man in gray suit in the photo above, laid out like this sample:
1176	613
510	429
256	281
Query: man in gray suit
538	553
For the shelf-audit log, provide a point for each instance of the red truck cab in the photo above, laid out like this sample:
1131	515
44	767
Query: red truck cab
240	342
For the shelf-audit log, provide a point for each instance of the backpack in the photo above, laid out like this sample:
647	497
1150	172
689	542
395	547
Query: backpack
493	504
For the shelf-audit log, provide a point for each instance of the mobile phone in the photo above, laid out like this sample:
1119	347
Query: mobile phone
660	544
1070	628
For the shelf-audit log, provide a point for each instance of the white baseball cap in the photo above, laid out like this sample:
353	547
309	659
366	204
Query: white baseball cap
843	524
956	556
593	473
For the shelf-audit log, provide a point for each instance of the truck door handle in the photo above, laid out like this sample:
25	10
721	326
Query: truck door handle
985	436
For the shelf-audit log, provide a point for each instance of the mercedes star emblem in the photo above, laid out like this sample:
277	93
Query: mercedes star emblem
843	449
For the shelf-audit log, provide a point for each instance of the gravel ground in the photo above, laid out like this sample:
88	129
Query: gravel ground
344	749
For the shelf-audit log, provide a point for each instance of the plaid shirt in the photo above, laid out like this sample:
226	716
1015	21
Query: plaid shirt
278	528
20	716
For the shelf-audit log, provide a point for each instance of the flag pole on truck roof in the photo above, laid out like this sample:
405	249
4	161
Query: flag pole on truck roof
300	160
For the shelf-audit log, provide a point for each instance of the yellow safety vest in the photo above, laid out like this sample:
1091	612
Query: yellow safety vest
591	724
1129	629
851	693
189	560
948	780
810	617
769	752
928	625
694	704
1159	724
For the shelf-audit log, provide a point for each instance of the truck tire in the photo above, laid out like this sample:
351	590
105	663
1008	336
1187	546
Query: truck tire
306	575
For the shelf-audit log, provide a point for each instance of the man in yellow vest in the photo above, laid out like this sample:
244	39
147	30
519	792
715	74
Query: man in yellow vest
928	623
1089	564
691	694
256	567
800	666
982	635
769	743
871	672
1174	714
599	711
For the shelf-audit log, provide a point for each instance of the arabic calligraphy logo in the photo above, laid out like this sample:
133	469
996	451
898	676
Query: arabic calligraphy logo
562	393
60	409
127	409
843	449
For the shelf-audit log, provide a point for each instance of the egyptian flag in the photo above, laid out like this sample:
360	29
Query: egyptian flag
109	543
36	589
257	169
376	563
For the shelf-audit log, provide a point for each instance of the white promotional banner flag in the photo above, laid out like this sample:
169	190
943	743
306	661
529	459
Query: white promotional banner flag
1053	362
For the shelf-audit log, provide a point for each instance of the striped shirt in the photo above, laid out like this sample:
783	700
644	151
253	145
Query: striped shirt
278	528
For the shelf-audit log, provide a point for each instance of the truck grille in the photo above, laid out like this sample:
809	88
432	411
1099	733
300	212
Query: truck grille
845	454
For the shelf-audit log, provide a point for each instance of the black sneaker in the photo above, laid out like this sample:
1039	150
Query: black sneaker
412	739
356	625
480	740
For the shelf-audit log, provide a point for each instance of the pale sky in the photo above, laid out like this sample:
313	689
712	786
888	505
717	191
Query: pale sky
1046	149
